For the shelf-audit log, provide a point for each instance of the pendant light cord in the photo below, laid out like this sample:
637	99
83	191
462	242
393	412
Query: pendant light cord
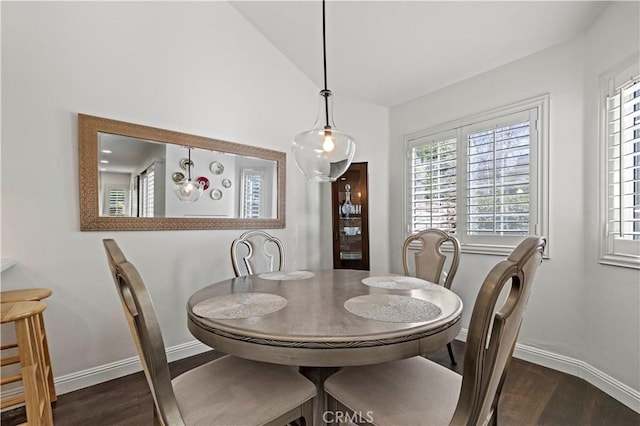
326	92
189	164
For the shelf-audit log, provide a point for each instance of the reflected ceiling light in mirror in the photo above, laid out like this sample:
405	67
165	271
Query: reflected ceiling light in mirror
323	153
188	190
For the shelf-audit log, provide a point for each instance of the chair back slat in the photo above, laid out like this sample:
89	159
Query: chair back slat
429	260
145	330
493	331
255	252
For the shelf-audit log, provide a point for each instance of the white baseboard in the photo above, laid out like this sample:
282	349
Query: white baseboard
575	367
93	376
612	387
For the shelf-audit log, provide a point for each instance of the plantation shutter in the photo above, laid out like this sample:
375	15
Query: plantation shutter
117	200
147	186
623	130
498	178
483	178
433	183
252	194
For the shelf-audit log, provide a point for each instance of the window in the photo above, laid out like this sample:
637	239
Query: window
434	184
481	178
621	101
117	201
147	191
252	203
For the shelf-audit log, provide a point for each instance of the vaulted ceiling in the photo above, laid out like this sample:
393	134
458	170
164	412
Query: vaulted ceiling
388	52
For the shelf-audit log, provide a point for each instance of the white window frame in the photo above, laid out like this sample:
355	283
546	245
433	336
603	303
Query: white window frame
245	198
147	191
439	139
539	172
126	194
613	250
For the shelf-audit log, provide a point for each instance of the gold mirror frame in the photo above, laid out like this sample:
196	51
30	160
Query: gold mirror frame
90	219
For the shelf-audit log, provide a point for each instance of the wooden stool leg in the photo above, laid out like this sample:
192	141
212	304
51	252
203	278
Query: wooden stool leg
27	295
6	361
36	389
47	360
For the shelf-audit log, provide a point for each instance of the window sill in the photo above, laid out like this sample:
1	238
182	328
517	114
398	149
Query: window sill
486	249
491	250
621	261
494	250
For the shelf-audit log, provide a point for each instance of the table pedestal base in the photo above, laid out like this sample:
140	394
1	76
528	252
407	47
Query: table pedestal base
318	375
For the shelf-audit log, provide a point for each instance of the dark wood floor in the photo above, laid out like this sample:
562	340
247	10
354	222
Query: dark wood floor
532	395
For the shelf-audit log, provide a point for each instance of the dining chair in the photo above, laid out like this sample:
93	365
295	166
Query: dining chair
417	391
256	251
226	391
428	261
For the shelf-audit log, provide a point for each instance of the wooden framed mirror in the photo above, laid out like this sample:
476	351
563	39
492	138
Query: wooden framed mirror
128	173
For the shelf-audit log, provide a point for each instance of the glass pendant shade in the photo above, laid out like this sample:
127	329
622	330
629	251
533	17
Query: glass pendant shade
188	190
323	153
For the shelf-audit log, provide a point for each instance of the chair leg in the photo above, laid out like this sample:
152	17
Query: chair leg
156	417
307	413
493	420
451	357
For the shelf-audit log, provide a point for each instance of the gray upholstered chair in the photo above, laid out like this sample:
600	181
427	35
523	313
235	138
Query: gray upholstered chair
417	391
226	391
256	251
428	261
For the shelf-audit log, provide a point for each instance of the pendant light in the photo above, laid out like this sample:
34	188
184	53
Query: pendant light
323	153
188	190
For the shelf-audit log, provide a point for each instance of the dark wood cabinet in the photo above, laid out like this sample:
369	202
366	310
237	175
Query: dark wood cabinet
350	207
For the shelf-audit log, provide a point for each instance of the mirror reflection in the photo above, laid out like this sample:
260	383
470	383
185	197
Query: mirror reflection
138	178
135	177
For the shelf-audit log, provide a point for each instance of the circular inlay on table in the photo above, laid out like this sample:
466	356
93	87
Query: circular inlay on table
392	308
397	282
286	275
239	305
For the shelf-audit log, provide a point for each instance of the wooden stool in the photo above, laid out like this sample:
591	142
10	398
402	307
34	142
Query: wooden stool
33	295
27	318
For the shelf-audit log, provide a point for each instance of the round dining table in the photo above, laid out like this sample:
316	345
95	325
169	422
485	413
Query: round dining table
321	320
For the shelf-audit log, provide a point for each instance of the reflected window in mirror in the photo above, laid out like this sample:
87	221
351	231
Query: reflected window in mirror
118	200
146	193
253	185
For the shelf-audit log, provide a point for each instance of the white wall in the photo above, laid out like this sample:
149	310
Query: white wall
578	309
194	67
611	319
